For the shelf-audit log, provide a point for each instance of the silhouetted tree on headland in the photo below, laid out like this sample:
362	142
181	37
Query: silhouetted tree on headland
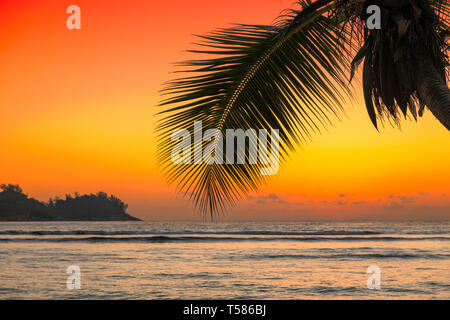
15	205
10	188
90	207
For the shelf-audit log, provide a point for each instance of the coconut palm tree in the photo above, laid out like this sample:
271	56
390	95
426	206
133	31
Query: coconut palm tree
294	76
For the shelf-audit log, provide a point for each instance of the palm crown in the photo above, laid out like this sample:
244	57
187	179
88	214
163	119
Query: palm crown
294	76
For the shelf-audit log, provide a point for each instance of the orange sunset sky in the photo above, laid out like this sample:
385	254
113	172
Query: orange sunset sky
77	113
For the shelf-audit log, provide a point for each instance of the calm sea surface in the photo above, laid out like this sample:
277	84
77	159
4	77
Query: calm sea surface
239	260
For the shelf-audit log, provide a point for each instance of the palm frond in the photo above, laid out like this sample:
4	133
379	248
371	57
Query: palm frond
412	38
289	76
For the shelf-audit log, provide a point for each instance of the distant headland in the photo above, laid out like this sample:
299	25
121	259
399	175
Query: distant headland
17	206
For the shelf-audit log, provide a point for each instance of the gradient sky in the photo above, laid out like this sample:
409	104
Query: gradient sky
77	113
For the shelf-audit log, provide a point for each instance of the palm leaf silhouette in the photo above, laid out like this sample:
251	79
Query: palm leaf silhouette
291	76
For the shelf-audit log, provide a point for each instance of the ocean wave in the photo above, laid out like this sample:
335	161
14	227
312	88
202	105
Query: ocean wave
188	232
406	256
159	239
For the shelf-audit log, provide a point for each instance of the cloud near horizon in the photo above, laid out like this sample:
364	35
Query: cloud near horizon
422	205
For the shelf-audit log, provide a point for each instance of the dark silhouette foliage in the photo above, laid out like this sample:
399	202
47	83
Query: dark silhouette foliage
16	206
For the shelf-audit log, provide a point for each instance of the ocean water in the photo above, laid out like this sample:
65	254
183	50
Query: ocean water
238	260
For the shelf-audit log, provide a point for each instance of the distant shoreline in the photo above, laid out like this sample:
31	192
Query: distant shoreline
55	220
15	206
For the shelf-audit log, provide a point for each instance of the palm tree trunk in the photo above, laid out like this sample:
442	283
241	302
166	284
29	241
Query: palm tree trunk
435	94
